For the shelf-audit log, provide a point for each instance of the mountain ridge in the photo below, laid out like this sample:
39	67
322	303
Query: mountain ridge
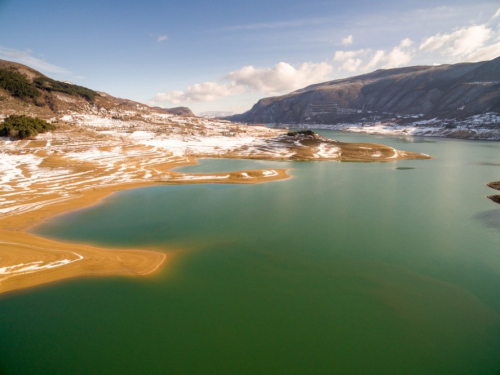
47	101
449	93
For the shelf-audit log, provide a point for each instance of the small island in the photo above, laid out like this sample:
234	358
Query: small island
494	185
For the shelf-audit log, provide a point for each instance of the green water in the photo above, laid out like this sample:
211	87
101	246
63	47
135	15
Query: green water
348	268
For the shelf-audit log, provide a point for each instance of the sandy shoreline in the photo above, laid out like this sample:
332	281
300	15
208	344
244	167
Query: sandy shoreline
29	260
77	167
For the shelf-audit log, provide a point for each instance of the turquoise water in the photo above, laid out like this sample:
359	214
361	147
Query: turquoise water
347	268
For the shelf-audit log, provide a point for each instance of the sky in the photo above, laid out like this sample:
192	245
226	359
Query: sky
225	55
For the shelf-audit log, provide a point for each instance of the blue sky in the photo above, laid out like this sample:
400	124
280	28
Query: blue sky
225	55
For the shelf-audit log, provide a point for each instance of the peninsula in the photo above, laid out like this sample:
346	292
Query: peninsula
101	145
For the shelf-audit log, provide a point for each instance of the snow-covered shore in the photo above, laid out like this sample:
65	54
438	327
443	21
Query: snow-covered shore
479	127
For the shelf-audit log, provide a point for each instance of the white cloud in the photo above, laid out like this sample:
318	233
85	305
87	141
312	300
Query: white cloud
469	43
434	42
400	55
465	44
200	92
281	78
354	61
486	53
375	60
497	14
474	42
348	40
26	57
162	38
351	60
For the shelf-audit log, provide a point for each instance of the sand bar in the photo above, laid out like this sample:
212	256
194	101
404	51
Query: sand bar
28	260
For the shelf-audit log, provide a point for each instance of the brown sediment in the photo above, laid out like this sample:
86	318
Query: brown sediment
315	147
357	152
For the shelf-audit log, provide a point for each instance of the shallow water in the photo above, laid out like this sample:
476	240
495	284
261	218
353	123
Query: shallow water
348	268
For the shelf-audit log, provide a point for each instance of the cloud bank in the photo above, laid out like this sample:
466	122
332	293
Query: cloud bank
282	77
471	43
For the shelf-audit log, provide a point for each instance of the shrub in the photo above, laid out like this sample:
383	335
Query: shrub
48	84
24	127
17	85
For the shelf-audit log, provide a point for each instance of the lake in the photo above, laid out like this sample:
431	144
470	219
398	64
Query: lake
346	268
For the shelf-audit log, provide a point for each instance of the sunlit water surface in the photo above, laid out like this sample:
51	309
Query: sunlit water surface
347	268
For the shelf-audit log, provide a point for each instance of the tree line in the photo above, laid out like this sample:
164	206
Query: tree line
19	86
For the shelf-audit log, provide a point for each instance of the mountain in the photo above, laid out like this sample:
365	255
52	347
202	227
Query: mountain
216	114
441	99
180	111
24	90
